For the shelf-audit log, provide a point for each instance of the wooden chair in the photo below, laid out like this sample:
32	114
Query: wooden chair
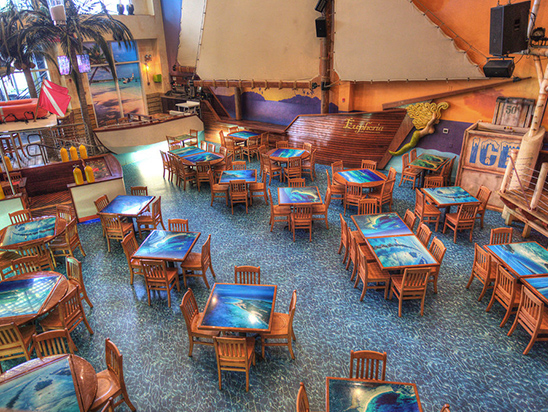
370	272
184	173
222	149
64	212
302	400
434	181
258	189
384	196
448	171
296	182
20	216
294	169
247	275
16	342
68	314
252	148
445	408
174	162
239	165
74	275
193	141
202	173
437	249
425	211
233	148
101	203
481	270
217	190
337	191
424	234
234	354
192	316
410	219
368	206
408	173
337	167
211	148
110	382
309	165
483	196
27	264
238	193
464	219
222	139
109	406
282	144
114	228
352	195
353	253
40	254
412	285
196	264
130	246
533	316
139	191
233	129
507	292
265	138
177	225
166	164
345	240
282	328
301	218
391	174
320	211
369	365
66	243
203	145
368	164
151	220
53	343
412	154
501	236
159	277
174	142
272	169
277	211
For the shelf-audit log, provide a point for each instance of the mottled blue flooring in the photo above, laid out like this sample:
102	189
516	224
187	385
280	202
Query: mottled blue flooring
456	353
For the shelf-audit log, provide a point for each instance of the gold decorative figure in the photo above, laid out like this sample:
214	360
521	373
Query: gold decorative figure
425	116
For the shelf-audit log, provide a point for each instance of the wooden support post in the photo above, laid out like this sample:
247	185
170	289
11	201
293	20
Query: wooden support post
509	169
539	187
238	103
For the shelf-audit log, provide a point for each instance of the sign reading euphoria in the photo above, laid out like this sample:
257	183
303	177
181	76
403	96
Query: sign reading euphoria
490	152
363	126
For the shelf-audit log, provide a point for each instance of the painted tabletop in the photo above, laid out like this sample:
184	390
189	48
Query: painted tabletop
361	176
236	307
24	297
243	134
383	224
429	162
344	394
126	205
35	230
287	153
203	157
397	252
60	383
539	285
249	175
449	196
166	245
297	195
523	259
186	151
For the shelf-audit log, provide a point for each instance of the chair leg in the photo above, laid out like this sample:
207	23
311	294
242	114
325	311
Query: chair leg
513	328
219	373
400	306
290	347
470	280
531	343
506	316
127	401
484	290
190	345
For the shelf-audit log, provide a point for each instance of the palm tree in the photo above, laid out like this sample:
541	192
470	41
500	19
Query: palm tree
82	24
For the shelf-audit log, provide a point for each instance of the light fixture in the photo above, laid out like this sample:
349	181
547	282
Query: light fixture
64	65
84	65
148	59
537	34
57	12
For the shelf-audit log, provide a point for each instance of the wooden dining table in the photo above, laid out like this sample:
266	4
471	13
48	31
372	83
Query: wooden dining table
38	230
167	246
191	155
428	163
248	175
347	394
59	383
521	258
381	224
233	307
128	205
242	136
445	197
291	196
283	155
27	296
364	177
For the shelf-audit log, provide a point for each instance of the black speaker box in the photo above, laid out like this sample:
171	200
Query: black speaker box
499	68
321	27
321	5
508	32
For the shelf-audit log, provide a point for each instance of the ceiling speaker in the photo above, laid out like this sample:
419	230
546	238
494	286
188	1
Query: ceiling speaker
321	5
499	68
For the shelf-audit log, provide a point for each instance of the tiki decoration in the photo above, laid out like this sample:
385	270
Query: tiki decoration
425	116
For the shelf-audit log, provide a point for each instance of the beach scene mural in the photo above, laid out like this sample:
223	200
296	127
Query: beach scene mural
24	296
49	388
384	224
247	175
360	396
360	176
163	244
287	153
107	94
400	251
527	258
127	205
24	232
240	306
449	195
287	195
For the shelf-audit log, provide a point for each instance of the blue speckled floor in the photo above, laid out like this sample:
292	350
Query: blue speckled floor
456	353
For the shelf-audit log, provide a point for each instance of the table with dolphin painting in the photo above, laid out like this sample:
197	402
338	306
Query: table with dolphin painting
239	308
242	135
37	230
298	195
59	383
186	151
347	394
192	155
382	224
362	177
429	162
127	205
538	284
248	175
167	246
283	155
400	252
449	196
521	259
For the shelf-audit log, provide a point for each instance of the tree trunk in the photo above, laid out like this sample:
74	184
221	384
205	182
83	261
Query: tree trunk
88	128
30	82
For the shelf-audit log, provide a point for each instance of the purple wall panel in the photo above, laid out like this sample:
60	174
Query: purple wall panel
450	142
171	15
